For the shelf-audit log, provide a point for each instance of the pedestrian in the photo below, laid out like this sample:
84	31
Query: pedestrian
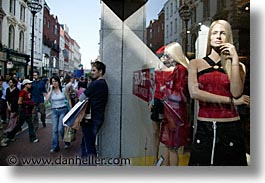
175	126
38	92
25	107
3	106
2	142
12	96
217	82
57	96
97	94
81	88
69	88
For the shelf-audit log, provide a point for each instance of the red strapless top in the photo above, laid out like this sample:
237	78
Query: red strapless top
215	81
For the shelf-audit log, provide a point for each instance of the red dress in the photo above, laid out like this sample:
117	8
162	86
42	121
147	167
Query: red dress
175	128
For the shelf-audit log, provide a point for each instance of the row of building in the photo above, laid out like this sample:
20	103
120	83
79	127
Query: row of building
55	51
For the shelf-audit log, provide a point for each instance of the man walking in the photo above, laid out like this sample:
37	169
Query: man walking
38	91
97	94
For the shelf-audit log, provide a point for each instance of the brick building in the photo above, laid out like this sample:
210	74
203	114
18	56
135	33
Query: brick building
51	41
155	32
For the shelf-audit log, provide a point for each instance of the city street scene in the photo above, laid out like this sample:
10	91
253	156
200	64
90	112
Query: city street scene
158	83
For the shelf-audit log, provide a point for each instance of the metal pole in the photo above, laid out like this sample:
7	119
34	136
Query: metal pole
32	47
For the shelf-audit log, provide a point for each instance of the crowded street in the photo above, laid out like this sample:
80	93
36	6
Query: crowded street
23	149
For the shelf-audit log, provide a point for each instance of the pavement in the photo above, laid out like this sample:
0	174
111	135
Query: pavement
23	152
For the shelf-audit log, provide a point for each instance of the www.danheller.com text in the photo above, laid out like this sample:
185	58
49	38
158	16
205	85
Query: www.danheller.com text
13	160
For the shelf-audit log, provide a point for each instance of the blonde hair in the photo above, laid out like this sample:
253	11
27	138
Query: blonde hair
225	60
175	51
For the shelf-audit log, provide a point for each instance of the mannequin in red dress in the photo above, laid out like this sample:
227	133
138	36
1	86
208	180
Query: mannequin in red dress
175	126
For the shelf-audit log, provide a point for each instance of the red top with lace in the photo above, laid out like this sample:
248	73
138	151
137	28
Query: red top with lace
215	81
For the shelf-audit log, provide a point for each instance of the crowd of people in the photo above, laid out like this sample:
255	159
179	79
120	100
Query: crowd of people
215	81
22	101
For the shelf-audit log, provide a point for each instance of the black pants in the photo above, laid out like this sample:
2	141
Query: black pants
3	107
218	145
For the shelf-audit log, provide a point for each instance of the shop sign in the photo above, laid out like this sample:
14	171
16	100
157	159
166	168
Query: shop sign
9	65
142	83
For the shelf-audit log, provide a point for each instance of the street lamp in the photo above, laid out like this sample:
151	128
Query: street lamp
34	8
185	14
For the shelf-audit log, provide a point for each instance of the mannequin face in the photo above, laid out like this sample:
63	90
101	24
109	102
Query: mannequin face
167	59
218	35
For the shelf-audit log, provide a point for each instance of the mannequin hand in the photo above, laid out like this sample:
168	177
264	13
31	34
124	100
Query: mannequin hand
244	99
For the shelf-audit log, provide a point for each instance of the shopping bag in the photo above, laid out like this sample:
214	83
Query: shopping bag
69	134
71	116
79	117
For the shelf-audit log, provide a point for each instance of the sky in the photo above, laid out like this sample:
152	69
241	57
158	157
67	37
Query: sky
82	18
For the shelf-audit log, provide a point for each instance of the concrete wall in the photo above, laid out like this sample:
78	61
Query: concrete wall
127	129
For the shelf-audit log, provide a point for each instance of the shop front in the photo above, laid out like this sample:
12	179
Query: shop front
14	63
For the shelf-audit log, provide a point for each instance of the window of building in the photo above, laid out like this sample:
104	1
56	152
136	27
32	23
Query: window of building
171	28
48	24
206	8
176	5
11	37
12	7
40	46
167	32
171	9
167	13
193	16
176	25
22	13
21	42
221	4
151	33
55	29
40	25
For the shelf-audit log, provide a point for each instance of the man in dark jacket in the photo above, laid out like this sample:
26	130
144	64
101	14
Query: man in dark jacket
97	94
38	91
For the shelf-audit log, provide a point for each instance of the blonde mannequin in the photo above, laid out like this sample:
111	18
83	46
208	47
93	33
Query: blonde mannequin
172	134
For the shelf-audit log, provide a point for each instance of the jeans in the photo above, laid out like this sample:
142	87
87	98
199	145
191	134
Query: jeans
57	126
38	108
90	131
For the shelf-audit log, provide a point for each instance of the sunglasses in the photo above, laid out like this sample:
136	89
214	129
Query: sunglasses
166	56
